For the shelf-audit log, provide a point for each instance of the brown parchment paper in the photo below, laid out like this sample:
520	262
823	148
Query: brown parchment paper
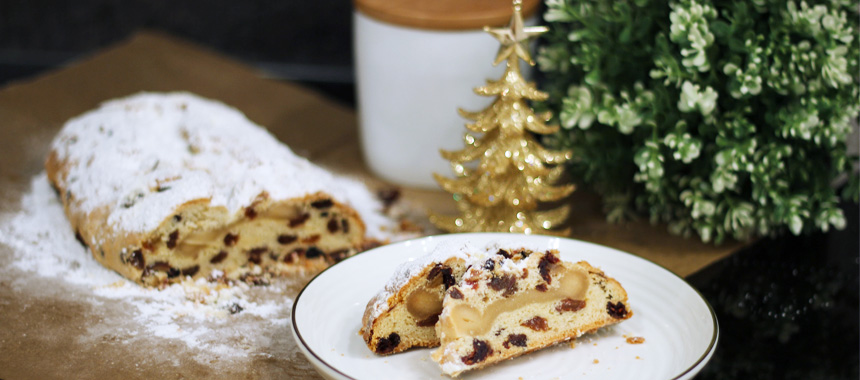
46	334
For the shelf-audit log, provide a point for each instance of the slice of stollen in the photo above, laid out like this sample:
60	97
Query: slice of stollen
404	314
518	301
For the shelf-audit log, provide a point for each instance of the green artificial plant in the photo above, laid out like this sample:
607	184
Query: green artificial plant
724	118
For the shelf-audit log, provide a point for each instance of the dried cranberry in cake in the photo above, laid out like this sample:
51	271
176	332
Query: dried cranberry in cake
507	284
313	252
250	213
230	239
322	204
536	324
285	239
171	241
448	277
387	344
544	266
489	264
455	293
568	304
255	255
616	310
219	257
480	352
190	271
429	322
136	259
524	253
313	239
332	225
435	271
299	220
445	271
518	340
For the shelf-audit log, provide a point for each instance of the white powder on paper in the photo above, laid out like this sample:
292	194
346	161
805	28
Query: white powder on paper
219	155
196	313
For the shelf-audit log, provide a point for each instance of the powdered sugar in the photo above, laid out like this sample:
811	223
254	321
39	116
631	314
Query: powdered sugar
144	155
187	148
214	321
473	257
510	245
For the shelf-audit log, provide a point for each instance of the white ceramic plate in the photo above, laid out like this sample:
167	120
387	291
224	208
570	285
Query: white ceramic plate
679	327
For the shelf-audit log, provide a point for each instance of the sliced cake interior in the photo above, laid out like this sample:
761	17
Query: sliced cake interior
165	186
518	301
405	312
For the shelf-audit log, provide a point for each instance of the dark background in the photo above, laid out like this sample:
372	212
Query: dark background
304	41
787	306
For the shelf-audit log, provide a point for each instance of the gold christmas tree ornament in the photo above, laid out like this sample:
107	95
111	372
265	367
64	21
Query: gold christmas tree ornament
514	173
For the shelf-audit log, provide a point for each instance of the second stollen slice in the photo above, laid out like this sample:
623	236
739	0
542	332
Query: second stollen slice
518	301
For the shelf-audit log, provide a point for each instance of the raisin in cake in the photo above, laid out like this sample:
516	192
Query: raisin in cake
519	301
163	186
404	314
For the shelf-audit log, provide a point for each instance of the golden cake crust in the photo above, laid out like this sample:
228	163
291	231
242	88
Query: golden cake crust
160	187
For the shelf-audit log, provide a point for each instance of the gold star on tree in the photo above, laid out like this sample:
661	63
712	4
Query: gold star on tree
515	176
515	37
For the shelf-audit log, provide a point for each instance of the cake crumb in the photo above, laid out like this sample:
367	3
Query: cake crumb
638	358
635	340
596	361
572	344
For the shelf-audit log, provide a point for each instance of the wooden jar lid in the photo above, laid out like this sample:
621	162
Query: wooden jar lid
444	14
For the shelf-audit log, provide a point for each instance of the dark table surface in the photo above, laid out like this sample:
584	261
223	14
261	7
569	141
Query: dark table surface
787	307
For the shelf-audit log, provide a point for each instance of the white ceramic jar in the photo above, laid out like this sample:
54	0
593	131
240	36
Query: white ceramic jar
414	73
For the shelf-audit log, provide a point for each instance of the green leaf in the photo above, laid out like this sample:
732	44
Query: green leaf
727	119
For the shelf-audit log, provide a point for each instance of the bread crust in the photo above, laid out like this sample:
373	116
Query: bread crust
260	237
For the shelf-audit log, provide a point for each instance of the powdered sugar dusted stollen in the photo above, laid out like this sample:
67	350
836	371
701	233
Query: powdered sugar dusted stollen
163	186
520	300
404	313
